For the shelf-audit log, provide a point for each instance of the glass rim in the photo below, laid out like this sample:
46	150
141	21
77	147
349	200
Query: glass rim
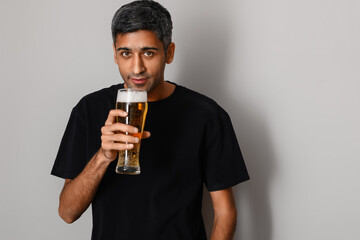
130	90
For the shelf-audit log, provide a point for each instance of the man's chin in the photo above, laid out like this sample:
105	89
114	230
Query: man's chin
136	86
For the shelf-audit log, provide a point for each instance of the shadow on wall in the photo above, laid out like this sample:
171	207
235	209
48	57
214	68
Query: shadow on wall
203	68
252	198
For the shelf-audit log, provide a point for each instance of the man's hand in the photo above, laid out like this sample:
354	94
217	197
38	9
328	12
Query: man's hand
114	137
77	194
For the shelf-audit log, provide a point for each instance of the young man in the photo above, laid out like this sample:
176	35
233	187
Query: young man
192	142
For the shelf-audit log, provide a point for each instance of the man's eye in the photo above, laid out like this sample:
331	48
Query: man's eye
148	54
125	54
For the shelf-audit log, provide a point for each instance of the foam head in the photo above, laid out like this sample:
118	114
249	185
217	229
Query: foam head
131	95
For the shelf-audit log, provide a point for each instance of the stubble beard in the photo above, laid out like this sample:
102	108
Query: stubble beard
148	86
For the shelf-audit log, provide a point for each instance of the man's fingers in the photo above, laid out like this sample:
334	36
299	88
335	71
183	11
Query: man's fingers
116	146
114	113
120	138
123	128
145	135
116	127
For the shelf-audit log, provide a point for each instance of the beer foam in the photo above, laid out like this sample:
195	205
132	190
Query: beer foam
131	96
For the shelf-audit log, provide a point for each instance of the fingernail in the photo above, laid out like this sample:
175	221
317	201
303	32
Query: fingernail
136	139
130	145
135	130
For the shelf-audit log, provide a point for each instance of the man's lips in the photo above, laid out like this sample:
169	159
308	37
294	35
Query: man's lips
139	80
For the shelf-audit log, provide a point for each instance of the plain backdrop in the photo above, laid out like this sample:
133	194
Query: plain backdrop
287	72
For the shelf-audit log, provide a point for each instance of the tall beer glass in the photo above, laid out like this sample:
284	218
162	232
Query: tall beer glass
134	102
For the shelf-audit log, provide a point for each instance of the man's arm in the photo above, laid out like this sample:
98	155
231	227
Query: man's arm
78	194
224	214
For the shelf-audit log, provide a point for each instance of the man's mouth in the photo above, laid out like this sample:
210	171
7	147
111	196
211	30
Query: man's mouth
139	80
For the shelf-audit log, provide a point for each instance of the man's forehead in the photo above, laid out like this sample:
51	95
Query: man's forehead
138	39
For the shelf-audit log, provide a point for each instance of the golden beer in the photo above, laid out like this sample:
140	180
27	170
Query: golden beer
134	102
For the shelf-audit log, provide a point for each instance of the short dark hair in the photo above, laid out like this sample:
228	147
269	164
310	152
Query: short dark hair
143	15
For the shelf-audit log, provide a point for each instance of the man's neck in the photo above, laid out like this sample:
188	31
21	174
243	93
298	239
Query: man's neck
162	91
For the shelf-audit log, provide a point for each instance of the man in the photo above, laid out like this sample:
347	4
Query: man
192	142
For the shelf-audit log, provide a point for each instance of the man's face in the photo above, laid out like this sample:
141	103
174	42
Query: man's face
140	57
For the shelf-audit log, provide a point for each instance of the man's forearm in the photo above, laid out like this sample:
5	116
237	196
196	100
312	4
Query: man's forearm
224	226
78	194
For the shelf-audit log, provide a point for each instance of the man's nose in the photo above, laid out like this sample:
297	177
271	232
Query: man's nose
138	65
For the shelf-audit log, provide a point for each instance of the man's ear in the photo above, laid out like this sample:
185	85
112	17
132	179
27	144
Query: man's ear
170	53
115	59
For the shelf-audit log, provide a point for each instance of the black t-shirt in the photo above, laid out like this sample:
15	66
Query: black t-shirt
192	142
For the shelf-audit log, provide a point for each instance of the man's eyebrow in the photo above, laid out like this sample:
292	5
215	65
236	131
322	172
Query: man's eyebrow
149	48
123	48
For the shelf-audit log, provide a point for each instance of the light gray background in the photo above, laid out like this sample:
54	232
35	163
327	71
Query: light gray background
286	71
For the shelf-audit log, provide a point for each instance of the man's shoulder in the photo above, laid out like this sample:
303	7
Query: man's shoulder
102	94
100	97
199	101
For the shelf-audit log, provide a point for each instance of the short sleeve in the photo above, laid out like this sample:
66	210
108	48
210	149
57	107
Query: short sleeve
72	154
224	165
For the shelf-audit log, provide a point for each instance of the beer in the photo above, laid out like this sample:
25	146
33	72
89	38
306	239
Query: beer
134	102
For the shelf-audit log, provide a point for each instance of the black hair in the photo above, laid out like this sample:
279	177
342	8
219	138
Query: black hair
143	15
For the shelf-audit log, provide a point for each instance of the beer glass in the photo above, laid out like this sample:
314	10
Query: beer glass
134	102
